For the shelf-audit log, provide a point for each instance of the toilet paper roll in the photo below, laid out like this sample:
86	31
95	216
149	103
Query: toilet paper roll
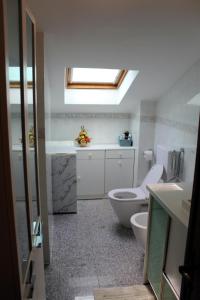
148	155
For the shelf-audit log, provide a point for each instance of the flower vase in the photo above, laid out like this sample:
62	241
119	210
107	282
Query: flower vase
83	144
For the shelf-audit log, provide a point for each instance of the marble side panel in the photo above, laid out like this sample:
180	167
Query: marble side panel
64	197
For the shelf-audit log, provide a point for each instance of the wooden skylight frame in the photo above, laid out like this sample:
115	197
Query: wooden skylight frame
92	85
16	85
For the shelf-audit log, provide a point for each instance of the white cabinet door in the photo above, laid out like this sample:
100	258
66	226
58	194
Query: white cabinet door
90	178
118	174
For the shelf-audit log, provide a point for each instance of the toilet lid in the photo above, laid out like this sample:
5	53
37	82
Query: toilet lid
153	176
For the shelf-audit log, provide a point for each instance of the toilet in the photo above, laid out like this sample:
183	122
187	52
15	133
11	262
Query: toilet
139	225
127	202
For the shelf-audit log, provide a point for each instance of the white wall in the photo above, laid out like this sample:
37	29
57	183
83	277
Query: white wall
16	128
146	136
143	127
135	129
16	125
102	128
177	122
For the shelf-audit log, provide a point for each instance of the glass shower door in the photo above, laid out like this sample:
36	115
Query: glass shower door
32	124
23	157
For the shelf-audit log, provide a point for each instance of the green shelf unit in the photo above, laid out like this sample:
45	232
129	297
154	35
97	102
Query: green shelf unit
167	293
158	235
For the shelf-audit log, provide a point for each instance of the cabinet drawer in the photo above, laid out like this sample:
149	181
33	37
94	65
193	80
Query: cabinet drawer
87	154
124	153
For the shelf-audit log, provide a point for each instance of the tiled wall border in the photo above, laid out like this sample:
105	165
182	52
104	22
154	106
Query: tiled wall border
189	128
84	115
147	119
91	115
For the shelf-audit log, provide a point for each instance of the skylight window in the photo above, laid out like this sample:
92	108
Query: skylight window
92	78
98	92
14	77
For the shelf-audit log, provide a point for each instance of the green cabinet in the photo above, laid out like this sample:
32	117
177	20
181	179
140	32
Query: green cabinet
158	234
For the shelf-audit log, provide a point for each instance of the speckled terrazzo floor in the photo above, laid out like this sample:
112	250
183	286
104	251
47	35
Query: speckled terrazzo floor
89	250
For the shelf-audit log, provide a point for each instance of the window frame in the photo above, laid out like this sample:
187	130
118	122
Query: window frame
92	85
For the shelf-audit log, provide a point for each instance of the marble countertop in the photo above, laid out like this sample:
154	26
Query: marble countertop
69	148
171	197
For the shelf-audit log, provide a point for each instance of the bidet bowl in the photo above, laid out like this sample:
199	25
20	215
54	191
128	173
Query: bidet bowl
139	225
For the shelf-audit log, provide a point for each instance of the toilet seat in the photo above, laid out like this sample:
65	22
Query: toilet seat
141	192
153	176
125	206
137	192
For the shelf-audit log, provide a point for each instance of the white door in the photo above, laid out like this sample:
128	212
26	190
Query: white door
118	174
90	177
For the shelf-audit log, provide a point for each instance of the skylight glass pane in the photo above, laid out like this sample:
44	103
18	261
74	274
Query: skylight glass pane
14	74
87	75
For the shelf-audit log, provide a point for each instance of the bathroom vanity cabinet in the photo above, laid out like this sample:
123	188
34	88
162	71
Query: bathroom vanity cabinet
101	170
166	239
97	170
18	170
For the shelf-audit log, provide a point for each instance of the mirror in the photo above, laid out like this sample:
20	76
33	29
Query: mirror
17	133
31	120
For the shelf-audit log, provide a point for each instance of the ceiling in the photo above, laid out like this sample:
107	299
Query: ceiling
159	38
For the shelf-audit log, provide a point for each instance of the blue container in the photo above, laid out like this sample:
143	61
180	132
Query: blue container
125	142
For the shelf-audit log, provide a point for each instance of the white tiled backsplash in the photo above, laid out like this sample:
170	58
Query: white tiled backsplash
102	130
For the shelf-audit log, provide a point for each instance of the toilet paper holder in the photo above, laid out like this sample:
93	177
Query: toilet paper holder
148	155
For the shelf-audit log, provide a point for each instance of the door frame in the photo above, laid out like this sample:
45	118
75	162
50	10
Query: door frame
14	286
10	274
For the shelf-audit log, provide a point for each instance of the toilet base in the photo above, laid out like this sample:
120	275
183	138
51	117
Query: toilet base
124	212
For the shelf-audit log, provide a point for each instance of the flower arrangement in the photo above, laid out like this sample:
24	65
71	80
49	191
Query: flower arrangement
31	137
83	139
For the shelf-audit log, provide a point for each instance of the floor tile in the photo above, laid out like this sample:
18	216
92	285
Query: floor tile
84	298
90	250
